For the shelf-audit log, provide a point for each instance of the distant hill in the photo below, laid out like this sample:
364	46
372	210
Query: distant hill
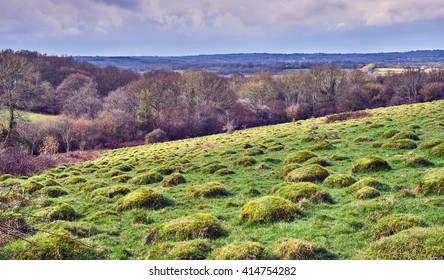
251	63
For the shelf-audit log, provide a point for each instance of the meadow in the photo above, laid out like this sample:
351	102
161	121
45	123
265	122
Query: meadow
365	185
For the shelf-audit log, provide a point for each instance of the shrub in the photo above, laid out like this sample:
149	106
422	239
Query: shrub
246	250
432	182
269	209
299	157
393	224
53	191
410	244
339	181
431	143
297	249
197	249
438	150
212	168
245	161
62	212
297	191
370	164
367	193
156	136
59	245
174	180
146	179
211	189
367	182
186	228
399	144
405	135
223	172
50	146
417	161
142	198
309	173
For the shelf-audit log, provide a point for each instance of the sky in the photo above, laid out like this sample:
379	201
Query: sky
191	27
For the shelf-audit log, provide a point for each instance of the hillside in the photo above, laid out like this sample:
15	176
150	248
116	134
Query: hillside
368	185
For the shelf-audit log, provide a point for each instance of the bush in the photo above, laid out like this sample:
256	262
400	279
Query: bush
245	161
299	157
269	209
367	193
50	146
195	226
367	182
174	180
297	191
432	182
211	189
62	212
405	135
59	245
142	198
370	164
395	223
438	150
310	173
410	244
297	249
339	181
399	144
146	179
242	251
156	136
186	250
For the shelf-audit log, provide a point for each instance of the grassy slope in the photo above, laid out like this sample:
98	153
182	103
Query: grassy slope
343	228
29	116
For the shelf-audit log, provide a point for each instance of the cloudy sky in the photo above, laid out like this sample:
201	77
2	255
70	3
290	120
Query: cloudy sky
184	27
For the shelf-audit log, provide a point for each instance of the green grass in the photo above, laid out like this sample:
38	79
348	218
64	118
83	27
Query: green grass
29	116
251	216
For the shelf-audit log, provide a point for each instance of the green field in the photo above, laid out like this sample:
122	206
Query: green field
289	191
23	115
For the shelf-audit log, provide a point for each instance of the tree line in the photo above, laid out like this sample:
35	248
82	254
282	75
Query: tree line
105	107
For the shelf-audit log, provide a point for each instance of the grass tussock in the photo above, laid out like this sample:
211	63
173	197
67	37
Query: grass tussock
395	223
370	164
146	179
367	193
269	209
304	190
432	182
174	180
197	249
339	181
142	198
211	189
242	251
299	157
298	249
309	173
245	161
400	144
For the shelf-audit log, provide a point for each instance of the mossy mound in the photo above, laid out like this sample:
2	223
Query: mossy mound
370	164
275	148
112	191
405	135
245	161
410	244
367	182
62	212
228	152
339	181
269	209
196	226
299	157
401	144
164	170
322	145
58	245
32	187
212	168
78	229
223	172
432	182
142	198
174	180
438	150
114	173
395	223
123	167
122	178
211	189
254	152
52	192
297	191
49	183
417	161
242	251
146	179
197	249
287	169
5	177
367	193
362	139
297	249
310	173
317	160
262	166
431	143
390	133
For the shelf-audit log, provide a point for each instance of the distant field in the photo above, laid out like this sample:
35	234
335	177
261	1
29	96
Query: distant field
29	116
368	186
